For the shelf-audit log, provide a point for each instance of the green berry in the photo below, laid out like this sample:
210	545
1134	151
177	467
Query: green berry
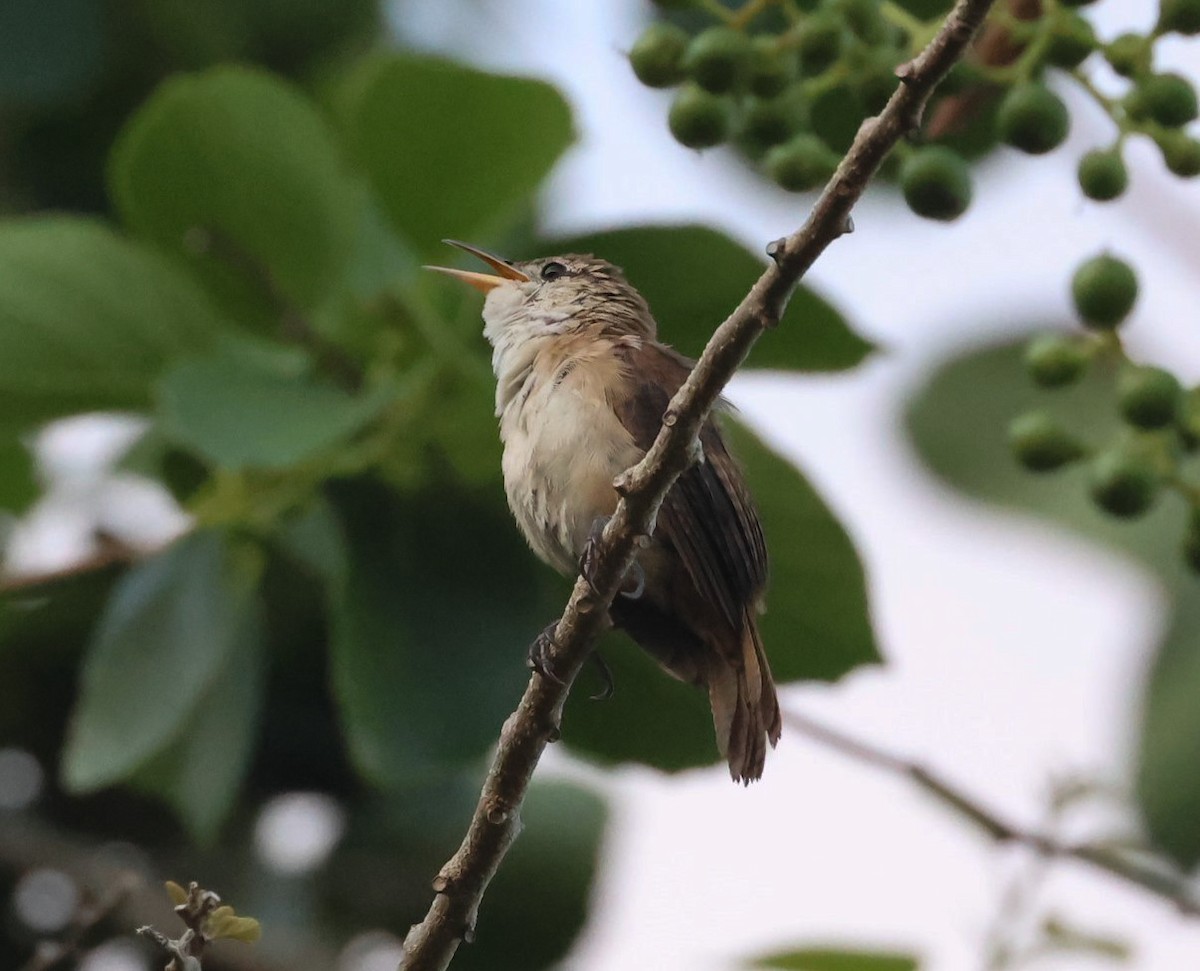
699	119
1104	289
1032	118
1102	174
657	56
1168	99
1040	444
1188	420
863	17
1180	152
1055	362
1148	397
1129	55
936	183
767	122
800	164
772	68
717	59
1180	16
1123	482
1072	41
819	44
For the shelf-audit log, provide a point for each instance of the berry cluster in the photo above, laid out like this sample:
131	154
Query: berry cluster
788	82
1160	419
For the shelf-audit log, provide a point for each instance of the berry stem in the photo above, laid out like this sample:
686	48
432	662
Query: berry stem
919	32
747	12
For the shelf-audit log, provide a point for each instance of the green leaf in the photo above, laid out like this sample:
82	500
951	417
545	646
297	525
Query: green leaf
546	879
831	959
451	151
18	483
958	422
243	412
88	319
693	277
238	164
816	628
1168	785
162	643
430	627
50	51
200	773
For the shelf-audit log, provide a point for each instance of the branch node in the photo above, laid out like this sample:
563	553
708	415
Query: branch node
670	416
497	814
906	71
777	249
440	883
623	483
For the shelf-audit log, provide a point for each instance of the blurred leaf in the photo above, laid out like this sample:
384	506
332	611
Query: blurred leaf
200	773
693	277
452	151
829	959
88	319
546	882
162	642
1059	936
1168	785
241	412
177	894
817	625
651	718
239	165
225	923
50	50
958	422
18	484
430	627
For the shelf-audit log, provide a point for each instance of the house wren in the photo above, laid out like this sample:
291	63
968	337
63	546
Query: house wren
582	383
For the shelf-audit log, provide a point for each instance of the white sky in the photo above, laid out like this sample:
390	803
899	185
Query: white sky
1014	649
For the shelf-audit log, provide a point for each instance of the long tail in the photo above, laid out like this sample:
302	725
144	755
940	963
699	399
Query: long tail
744	705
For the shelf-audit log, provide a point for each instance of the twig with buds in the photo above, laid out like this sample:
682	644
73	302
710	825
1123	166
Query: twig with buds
459	887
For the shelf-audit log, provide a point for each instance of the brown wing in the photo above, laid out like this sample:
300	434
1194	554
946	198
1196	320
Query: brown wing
708	516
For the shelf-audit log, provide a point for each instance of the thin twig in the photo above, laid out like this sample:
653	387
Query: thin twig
459	887
1148	876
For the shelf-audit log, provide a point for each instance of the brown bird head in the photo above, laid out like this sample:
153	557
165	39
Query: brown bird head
552	296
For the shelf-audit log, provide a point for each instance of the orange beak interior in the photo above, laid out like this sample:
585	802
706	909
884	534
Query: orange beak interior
482	281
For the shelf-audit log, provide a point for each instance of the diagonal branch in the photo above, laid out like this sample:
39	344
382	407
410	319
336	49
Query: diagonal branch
1150	875
459	887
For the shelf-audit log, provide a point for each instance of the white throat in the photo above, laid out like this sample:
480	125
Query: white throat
517	332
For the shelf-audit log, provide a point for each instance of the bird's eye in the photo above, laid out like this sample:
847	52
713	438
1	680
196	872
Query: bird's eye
553	270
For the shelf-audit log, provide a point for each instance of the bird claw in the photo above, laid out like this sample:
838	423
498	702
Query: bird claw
588	565
605	693
541	651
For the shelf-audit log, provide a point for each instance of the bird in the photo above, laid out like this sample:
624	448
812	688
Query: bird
582	383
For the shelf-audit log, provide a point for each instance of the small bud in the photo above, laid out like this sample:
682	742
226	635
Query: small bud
1148	397
800	164
936	183
1032	118
718	59
1168	99
1040	444
1055	362
1129	55
699	119
657	55
772	67
1124	482
1179	16
1104	289
1102	174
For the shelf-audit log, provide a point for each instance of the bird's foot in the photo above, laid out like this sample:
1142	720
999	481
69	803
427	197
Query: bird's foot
634	584
542	650
606	674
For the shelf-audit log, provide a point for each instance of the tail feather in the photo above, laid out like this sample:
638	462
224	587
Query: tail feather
745	707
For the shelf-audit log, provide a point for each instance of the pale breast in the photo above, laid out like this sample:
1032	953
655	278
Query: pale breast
563	446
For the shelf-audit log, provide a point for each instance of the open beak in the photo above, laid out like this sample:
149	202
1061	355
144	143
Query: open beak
482	281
